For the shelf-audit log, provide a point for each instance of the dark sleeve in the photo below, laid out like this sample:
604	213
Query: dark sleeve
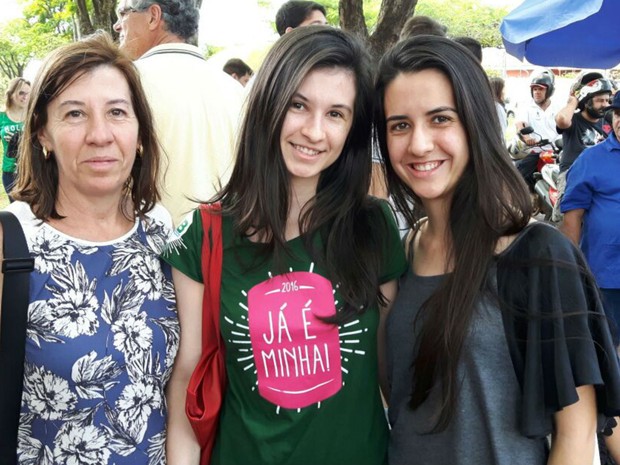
557	332
393	260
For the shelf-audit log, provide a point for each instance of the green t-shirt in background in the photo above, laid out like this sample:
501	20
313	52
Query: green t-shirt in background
299	391
7	128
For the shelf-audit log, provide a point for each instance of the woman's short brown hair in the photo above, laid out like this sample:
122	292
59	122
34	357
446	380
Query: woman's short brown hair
37	182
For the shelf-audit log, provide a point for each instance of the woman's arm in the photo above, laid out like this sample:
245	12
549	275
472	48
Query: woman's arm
181	445
575	431
389	291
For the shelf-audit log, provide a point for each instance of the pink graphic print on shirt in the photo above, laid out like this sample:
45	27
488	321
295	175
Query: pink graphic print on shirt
297	356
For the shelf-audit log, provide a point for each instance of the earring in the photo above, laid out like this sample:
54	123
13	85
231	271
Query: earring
139	151
46	154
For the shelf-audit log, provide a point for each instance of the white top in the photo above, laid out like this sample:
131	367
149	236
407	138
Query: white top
32	225
543	121
197	110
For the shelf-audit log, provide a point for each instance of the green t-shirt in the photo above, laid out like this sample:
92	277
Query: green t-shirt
7	128
299	391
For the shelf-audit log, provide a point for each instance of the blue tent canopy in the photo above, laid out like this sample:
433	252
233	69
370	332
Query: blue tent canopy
571	33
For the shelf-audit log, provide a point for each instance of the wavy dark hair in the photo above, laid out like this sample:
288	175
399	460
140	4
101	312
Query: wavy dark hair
490	201
37	181
257	194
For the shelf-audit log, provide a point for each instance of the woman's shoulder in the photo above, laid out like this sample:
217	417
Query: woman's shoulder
159	228
160	214
30	224
23	213
538	240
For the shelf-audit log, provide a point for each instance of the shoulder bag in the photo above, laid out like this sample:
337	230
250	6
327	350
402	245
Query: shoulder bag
205	392
16	267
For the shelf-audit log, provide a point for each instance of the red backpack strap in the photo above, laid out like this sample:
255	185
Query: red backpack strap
205	392
212	255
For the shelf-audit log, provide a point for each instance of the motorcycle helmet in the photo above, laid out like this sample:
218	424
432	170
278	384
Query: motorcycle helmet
590	85
545	79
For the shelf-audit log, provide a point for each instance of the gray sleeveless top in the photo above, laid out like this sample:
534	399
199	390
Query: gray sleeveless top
485	427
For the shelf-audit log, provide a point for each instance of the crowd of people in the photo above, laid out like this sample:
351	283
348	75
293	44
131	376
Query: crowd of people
483	335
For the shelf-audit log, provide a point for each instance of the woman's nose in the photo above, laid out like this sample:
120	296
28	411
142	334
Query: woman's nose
313	128
421	141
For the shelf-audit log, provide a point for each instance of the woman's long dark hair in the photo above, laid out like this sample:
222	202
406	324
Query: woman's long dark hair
257	194
490	201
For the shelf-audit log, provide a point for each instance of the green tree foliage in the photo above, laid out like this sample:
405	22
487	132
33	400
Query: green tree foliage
56	15
21	41
466	18
46	24
461	17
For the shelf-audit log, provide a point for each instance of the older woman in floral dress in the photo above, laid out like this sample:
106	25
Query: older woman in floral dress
102	328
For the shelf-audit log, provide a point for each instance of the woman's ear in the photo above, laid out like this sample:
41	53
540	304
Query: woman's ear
44	140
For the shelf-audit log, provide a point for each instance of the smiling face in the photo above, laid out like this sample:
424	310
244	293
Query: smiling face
317	123
426	140
93	132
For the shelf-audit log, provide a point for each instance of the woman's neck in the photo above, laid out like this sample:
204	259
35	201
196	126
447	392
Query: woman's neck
15	114
301	194
95	220
432	244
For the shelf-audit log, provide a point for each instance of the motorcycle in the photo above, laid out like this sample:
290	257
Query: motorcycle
546	189
546	184
538	157
519	150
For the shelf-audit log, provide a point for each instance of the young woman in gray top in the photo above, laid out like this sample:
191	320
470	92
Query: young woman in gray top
497	338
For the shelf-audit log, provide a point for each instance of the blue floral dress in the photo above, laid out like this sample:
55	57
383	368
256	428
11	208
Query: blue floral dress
101	340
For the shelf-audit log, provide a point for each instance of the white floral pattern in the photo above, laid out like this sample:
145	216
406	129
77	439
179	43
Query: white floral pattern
46	394
81	445
102	335
131	334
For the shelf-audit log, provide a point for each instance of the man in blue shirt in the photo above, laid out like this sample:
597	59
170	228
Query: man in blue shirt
591	207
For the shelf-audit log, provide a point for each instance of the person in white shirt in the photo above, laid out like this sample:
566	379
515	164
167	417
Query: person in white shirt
539	114
195	106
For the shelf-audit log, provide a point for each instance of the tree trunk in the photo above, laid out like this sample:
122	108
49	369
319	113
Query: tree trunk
392	17
83	19
104	16
351	13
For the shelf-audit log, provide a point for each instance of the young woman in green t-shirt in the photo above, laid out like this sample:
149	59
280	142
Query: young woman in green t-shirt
309	269
11	122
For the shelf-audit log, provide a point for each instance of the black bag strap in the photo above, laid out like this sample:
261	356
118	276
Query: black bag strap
16	267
